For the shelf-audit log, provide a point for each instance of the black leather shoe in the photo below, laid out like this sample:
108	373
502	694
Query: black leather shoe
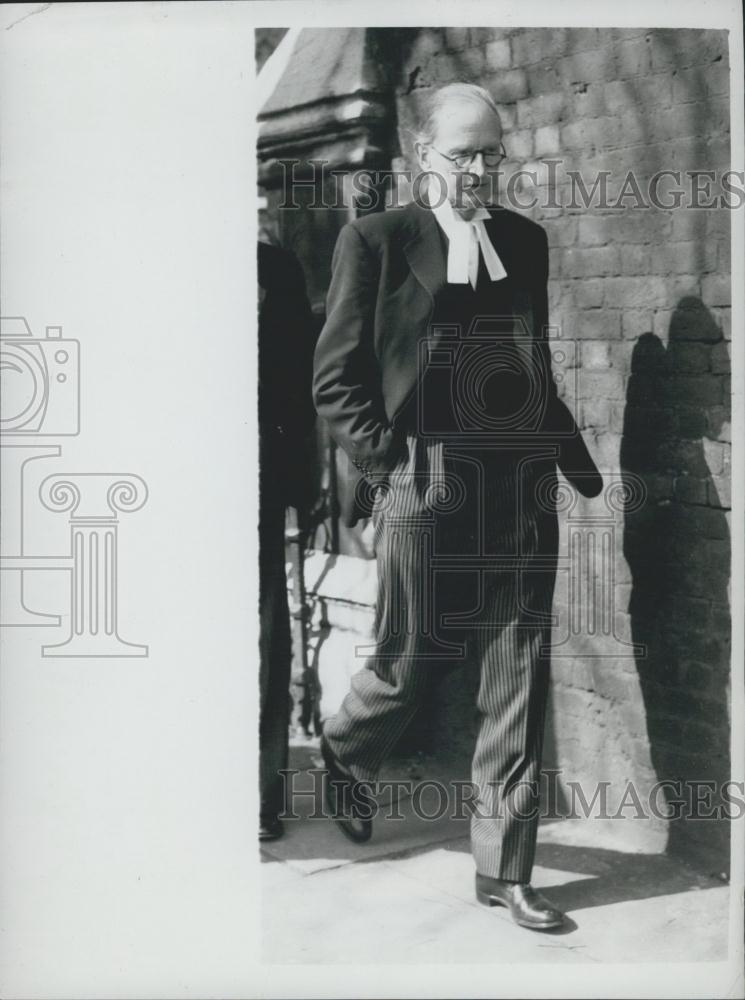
527	907
347	799
270	828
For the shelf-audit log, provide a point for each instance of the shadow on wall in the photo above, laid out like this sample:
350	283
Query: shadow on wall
678	550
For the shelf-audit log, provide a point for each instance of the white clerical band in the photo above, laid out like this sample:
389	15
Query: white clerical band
494	265
464	239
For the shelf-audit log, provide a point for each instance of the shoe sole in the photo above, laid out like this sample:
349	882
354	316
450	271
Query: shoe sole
487	900
356	836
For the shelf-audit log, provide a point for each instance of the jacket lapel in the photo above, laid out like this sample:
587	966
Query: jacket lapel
426	256
424	251
497	228
427	259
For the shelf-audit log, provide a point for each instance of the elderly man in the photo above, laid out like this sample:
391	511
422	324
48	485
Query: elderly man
433	372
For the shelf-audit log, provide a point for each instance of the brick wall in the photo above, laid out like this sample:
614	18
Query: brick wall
642	300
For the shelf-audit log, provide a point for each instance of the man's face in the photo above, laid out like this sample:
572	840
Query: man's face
462	128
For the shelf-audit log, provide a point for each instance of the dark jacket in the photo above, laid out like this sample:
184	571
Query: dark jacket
387	272
286	344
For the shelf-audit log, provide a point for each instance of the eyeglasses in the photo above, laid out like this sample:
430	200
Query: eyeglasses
492	158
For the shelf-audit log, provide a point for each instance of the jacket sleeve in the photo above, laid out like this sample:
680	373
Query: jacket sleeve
574	459
347	380
541	319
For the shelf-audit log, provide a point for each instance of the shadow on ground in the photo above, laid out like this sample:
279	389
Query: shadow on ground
596	876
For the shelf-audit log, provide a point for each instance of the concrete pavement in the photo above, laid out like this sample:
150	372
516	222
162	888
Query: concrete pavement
408	895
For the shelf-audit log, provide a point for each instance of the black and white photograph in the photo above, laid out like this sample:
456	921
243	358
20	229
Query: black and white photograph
509	577
372	491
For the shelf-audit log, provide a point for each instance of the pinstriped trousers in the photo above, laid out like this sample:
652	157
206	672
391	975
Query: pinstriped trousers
466	555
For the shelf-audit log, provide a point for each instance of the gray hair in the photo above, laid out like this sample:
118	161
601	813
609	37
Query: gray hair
451	94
